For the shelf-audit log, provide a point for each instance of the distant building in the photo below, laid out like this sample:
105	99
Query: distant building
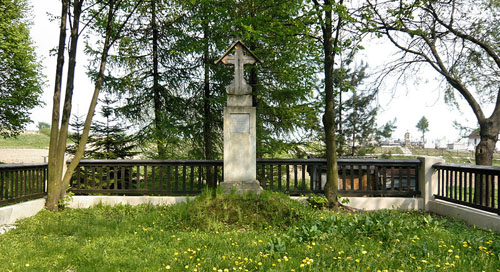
460	145
441	143
474	139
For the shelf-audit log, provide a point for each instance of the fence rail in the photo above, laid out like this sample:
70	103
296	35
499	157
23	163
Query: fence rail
145	176
371	177
20	182
357	177
469	185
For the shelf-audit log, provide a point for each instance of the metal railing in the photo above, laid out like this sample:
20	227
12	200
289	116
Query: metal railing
20	182
362	177
469	185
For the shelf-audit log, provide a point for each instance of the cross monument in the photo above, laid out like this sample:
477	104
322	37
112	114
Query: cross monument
240	163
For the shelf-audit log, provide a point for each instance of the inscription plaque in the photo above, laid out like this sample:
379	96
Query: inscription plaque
240	122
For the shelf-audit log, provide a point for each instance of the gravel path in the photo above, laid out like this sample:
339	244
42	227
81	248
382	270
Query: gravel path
12	155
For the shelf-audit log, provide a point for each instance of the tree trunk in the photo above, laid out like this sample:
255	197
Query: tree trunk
329	46
156	87
253	81
488	131
207	115
53	183
340	132
70	79
90	114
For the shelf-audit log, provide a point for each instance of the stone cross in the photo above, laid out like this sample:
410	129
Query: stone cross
240	167
239	60
238	86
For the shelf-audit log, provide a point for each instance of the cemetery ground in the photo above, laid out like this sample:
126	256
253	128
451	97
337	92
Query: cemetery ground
268	232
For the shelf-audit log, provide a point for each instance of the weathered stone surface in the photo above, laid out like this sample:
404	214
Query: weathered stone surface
239	100
240	122
241	187
239	60
240	163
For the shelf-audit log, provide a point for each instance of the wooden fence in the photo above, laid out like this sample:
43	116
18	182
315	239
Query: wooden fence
469	185
362	177
20	182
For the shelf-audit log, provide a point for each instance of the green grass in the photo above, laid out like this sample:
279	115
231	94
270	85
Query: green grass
387	150
255	233
26	141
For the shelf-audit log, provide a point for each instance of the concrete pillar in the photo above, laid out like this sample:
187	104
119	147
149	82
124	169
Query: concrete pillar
240	165
428	179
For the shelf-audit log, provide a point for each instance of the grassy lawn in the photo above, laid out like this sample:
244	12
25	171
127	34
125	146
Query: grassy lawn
26	141
266	233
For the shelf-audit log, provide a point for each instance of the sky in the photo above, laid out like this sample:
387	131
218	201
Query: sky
407	102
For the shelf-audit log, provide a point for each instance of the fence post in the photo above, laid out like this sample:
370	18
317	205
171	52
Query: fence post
428	180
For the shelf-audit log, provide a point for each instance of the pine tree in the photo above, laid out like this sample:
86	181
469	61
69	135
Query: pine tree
360	127
355	116
108	139
77	126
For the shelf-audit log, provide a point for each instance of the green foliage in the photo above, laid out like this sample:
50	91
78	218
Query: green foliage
105	238
241	212
63	203
317	201
77	123
42	125
191	93
108	139
355	116
385	131
423	126
21	79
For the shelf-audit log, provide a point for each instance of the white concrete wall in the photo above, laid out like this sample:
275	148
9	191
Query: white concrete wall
479	218
379	203
89	201
10	214
428	179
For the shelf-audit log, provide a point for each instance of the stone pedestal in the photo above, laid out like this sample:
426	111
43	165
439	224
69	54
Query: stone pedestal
240	165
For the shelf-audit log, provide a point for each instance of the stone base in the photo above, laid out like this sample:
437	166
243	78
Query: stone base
241	187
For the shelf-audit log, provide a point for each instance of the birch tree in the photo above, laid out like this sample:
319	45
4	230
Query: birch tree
110	16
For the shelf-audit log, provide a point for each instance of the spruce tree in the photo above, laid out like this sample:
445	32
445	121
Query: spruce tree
76	125
108	138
